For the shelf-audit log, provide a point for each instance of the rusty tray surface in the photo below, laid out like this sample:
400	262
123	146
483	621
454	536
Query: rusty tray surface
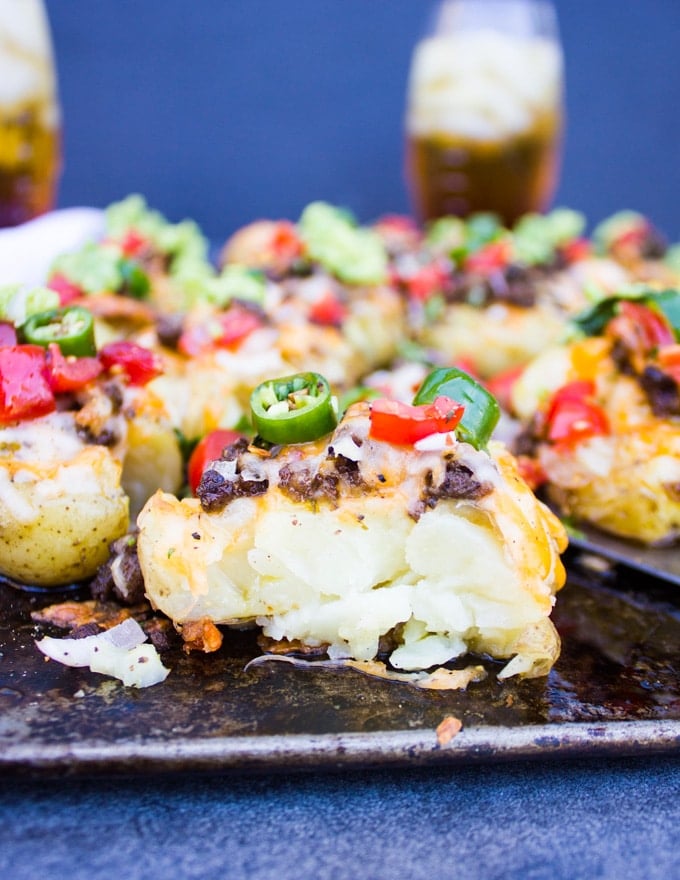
614	691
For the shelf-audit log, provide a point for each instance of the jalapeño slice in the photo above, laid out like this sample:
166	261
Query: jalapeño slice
481	408
72	328
293	409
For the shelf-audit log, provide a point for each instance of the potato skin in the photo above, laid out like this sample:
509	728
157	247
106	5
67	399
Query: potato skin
344	571
636	497
626	482
58	519
494	339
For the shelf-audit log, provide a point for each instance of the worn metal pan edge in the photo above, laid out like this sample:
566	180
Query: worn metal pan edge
661	562
345	751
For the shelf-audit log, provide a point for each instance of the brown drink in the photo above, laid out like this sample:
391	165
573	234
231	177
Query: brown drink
484	121
30	144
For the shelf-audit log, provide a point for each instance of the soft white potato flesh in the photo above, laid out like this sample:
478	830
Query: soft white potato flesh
64	497
463	575
57	518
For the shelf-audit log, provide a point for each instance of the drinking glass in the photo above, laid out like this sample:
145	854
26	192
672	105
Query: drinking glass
484	114
30	142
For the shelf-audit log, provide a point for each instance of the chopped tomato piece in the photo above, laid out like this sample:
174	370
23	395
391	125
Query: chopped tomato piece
490	258
139	364
629	245
396	223
225	330
397	231
195	340
669	360
8	335
208	449
69	373
236	324
285	242
426	281
501	386
405	424
573	415
652	327
328	310
132	243
575	250
67	290
24	390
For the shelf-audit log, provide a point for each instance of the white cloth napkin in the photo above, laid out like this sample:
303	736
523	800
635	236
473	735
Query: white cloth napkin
27	251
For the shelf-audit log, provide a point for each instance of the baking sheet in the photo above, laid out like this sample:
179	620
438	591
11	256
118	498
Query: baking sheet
657	561
615	690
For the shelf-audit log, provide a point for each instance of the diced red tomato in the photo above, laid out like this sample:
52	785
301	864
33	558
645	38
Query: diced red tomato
24	390
195	340
669	360
652	327
426	281
328	310
69	373
405	424
501	386
225	330
490	258
573	414
629	244
237	323
132	243
139	364
398	223
575	250
285	242
67	290
208	449
8	335
398	231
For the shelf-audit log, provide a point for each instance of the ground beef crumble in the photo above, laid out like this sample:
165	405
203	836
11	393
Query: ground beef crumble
215	491
661	390
459	482
303	484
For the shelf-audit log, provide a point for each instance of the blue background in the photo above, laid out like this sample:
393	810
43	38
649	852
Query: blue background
226	111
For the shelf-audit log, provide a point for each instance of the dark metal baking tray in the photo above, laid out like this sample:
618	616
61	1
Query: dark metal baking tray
657	561
614	691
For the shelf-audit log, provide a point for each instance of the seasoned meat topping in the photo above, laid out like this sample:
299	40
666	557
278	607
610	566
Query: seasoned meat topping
216	491
106	437
121	577
459	482
515	285
169	329
302	484
661	390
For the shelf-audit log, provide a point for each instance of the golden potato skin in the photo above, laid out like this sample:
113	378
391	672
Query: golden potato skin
57	519
343	572
494	339
626	482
